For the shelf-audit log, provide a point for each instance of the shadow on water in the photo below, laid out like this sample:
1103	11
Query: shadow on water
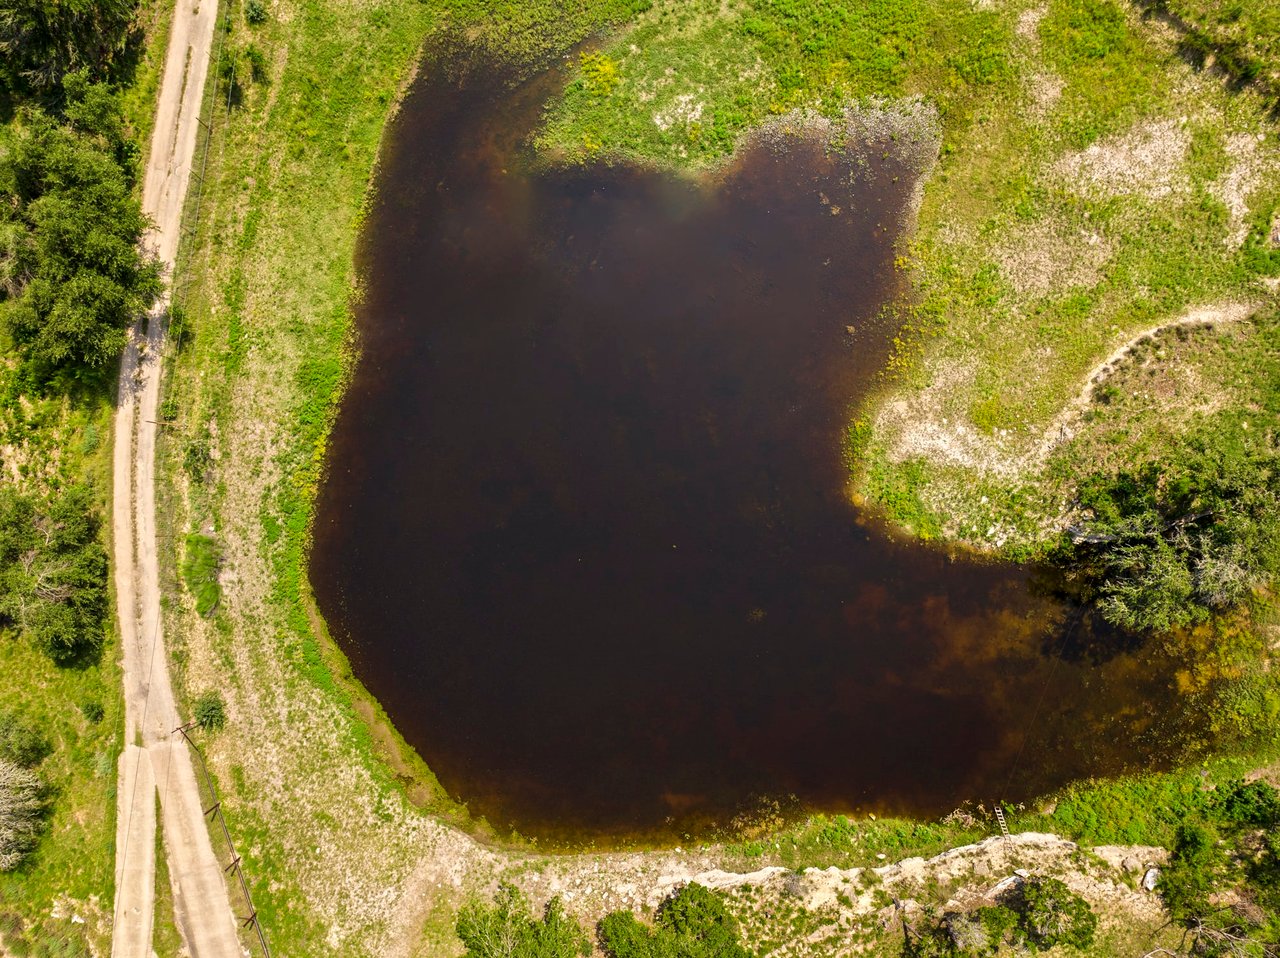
586	531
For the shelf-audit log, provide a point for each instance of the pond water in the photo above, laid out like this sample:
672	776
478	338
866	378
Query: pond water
586	531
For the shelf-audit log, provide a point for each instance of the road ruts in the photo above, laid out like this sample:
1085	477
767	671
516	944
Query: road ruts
158	765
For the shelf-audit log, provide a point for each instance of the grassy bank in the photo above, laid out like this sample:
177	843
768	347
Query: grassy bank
1038	251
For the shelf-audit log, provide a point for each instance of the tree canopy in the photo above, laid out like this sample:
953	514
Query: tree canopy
72	274
21	813
53	571
1038	914
693	923
506	929
1165	546
41	41
1222	880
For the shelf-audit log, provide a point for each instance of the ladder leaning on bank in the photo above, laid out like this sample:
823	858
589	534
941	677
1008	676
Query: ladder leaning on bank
1004	826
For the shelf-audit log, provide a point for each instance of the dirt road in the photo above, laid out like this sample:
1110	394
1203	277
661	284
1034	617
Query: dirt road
159	765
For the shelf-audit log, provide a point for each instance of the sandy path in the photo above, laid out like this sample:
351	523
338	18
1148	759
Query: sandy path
136	854
204	913
923	431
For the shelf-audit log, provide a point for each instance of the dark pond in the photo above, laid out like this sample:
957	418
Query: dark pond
586	532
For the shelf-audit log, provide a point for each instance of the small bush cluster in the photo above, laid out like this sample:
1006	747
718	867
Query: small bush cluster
43	42
1038	914
22	792
20	743
21	813
506	929
693	923
53	572
211	711
1222	880
255	12
1167	545
74	276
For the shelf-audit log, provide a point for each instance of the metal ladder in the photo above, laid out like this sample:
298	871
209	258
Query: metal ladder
1004	826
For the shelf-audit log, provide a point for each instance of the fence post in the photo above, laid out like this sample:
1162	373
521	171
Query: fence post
236	863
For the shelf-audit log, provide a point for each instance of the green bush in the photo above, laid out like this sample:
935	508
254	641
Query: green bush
981	931
1264	872
92	711
625	936
53	572
506	929
197	459
20	743
1165	546
79	276
211	711
1050	913
22	807
1193	872
1238	861
255	12
42	42
693	923
1248	805
1040	914
257	61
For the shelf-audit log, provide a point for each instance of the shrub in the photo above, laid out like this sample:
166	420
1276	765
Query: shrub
1249	805
1166	546
21	813
1042	913
931	938
42	42
257	63
982	931
506	929
80	276
1052	914
1193	872
211	711
92	711
693	923
197	459
255	11
1264	872
53	572
968	936
624	936
21	744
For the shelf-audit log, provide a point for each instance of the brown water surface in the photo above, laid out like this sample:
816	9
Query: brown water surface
586	532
